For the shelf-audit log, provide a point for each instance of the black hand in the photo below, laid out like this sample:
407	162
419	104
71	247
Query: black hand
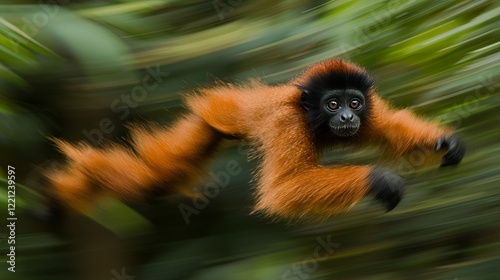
387	187
455	152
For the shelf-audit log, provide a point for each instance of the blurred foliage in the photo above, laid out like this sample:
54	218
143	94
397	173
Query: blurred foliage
66	65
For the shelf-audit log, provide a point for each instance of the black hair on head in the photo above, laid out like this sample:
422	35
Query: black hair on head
335	74
326	76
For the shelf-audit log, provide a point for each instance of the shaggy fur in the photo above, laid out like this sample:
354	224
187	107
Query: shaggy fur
291	183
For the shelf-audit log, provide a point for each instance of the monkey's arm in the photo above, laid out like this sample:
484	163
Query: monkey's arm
403	132
166	160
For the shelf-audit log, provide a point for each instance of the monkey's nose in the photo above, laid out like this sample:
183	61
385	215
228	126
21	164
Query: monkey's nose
345	117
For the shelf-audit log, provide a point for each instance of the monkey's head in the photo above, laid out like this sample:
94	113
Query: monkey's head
335	97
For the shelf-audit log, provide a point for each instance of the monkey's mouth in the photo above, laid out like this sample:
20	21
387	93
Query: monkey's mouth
345	130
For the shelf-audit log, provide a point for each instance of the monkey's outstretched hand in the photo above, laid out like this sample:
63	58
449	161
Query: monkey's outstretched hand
455	152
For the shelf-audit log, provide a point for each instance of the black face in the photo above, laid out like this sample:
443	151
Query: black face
337	104
343	109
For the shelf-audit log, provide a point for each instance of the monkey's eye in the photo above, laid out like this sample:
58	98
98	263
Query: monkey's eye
333	105
355	104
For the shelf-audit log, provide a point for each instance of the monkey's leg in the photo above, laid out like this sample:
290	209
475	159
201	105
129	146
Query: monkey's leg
178	156
90	172
168	160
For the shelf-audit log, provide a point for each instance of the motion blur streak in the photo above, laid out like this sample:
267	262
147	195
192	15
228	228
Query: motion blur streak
64	63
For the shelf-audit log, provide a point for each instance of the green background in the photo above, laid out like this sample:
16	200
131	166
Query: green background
63	64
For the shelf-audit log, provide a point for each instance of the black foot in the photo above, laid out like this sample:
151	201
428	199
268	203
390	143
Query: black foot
455	152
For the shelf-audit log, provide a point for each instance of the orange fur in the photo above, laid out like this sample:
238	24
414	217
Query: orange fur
400	130
291	181
166	161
